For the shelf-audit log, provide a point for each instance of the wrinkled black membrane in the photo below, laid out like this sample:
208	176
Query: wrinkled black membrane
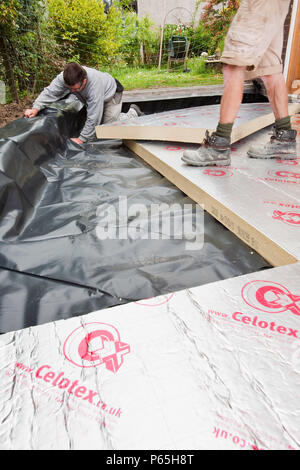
52	264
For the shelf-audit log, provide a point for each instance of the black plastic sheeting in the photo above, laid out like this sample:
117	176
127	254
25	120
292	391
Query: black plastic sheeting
52	264
171	103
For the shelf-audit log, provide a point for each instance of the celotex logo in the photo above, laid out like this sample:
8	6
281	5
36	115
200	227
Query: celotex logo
288	176
218	172
290	218
269	297
96	344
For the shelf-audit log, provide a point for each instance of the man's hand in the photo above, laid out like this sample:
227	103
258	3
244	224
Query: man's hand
77	140
30	113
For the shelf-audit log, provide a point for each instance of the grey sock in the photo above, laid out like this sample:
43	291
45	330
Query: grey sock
283	124
224	130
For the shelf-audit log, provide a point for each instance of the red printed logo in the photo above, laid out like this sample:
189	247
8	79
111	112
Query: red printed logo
290	218
156	301
259	109
173	148
218	172
284	174
288	162
96	344
270	297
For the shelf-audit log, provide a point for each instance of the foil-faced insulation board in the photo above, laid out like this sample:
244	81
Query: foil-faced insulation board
258	200
212	367
189	125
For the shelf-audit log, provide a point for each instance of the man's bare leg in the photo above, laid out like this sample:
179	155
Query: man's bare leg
277	94
234	77
283	142
216	148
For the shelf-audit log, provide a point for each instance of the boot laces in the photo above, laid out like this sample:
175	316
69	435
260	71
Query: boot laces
280	135
208	140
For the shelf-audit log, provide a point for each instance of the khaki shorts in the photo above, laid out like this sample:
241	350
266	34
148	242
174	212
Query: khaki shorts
255	37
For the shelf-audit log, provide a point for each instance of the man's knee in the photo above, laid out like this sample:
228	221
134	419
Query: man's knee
230	71
272	79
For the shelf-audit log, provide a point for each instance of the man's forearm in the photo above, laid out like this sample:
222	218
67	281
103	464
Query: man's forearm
55	91
88	131
94	117
46	98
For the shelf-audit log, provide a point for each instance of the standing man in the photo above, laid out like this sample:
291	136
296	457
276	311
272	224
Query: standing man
253	48
98	91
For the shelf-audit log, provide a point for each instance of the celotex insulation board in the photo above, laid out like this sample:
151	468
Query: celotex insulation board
212	367
190	125
258	200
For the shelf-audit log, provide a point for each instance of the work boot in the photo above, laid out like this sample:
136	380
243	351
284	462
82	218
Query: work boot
133	113
135	110
282	145
214	150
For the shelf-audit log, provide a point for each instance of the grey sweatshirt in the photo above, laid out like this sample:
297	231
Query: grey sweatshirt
100	88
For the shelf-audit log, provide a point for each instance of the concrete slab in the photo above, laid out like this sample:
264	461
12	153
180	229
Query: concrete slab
170	93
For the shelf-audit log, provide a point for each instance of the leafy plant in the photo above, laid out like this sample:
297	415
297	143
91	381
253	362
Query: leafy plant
217	16
85	30
149	39
37	38
139	40
28	54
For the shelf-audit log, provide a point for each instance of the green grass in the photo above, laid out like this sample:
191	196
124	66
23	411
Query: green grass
133	78
142	78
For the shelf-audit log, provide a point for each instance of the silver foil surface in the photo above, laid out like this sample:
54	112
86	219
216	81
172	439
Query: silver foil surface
213	367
